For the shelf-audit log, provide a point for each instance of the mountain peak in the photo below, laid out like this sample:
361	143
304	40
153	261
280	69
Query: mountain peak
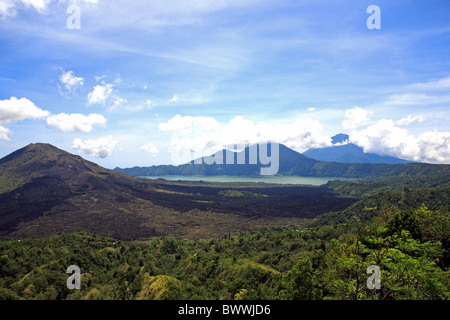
43	159
41	146
339	138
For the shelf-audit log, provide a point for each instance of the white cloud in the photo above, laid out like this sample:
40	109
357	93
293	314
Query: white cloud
416	98
39	5
174	99
149	147
434	146
98	78
149	104
205	135
386	138
99	148
70	82
432	85
4	133
105	94
14	109
356	117
311	109
117	102
75	122
100	94
8	8
409	119
178	123
135	108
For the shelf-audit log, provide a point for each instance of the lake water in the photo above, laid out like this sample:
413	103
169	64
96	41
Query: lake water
316	181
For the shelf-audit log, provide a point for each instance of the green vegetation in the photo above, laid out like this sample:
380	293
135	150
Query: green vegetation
376	204
410	247
362	188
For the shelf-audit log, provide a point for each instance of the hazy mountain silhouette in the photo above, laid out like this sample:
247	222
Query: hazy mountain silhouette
345	152
350	153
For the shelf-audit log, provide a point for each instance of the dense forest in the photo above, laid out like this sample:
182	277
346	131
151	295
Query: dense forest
410	247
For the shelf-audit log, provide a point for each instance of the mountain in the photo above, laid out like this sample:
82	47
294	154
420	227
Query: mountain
340	138
288	160
294	163
350	153
345	152
45	190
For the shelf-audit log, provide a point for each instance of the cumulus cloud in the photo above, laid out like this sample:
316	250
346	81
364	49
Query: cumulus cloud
100	148
4	133
356	117
150	147
100	94
434	146
206	135
69	83
386	138
105	94
14	109
75	122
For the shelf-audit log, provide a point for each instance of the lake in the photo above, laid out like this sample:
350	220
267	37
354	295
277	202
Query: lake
316	181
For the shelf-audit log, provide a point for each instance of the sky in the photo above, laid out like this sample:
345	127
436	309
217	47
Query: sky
140	83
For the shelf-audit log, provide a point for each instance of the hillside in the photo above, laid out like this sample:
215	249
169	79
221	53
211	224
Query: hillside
46	190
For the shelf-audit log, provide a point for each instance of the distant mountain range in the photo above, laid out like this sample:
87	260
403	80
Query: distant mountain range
350	153
290	163
345	152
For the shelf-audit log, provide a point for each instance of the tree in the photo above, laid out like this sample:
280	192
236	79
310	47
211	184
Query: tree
301	283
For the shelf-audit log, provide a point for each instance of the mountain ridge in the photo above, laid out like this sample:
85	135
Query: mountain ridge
293	163
350	153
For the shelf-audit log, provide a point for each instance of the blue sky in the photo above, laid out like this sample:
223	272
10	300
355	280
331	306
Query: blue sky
142	81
